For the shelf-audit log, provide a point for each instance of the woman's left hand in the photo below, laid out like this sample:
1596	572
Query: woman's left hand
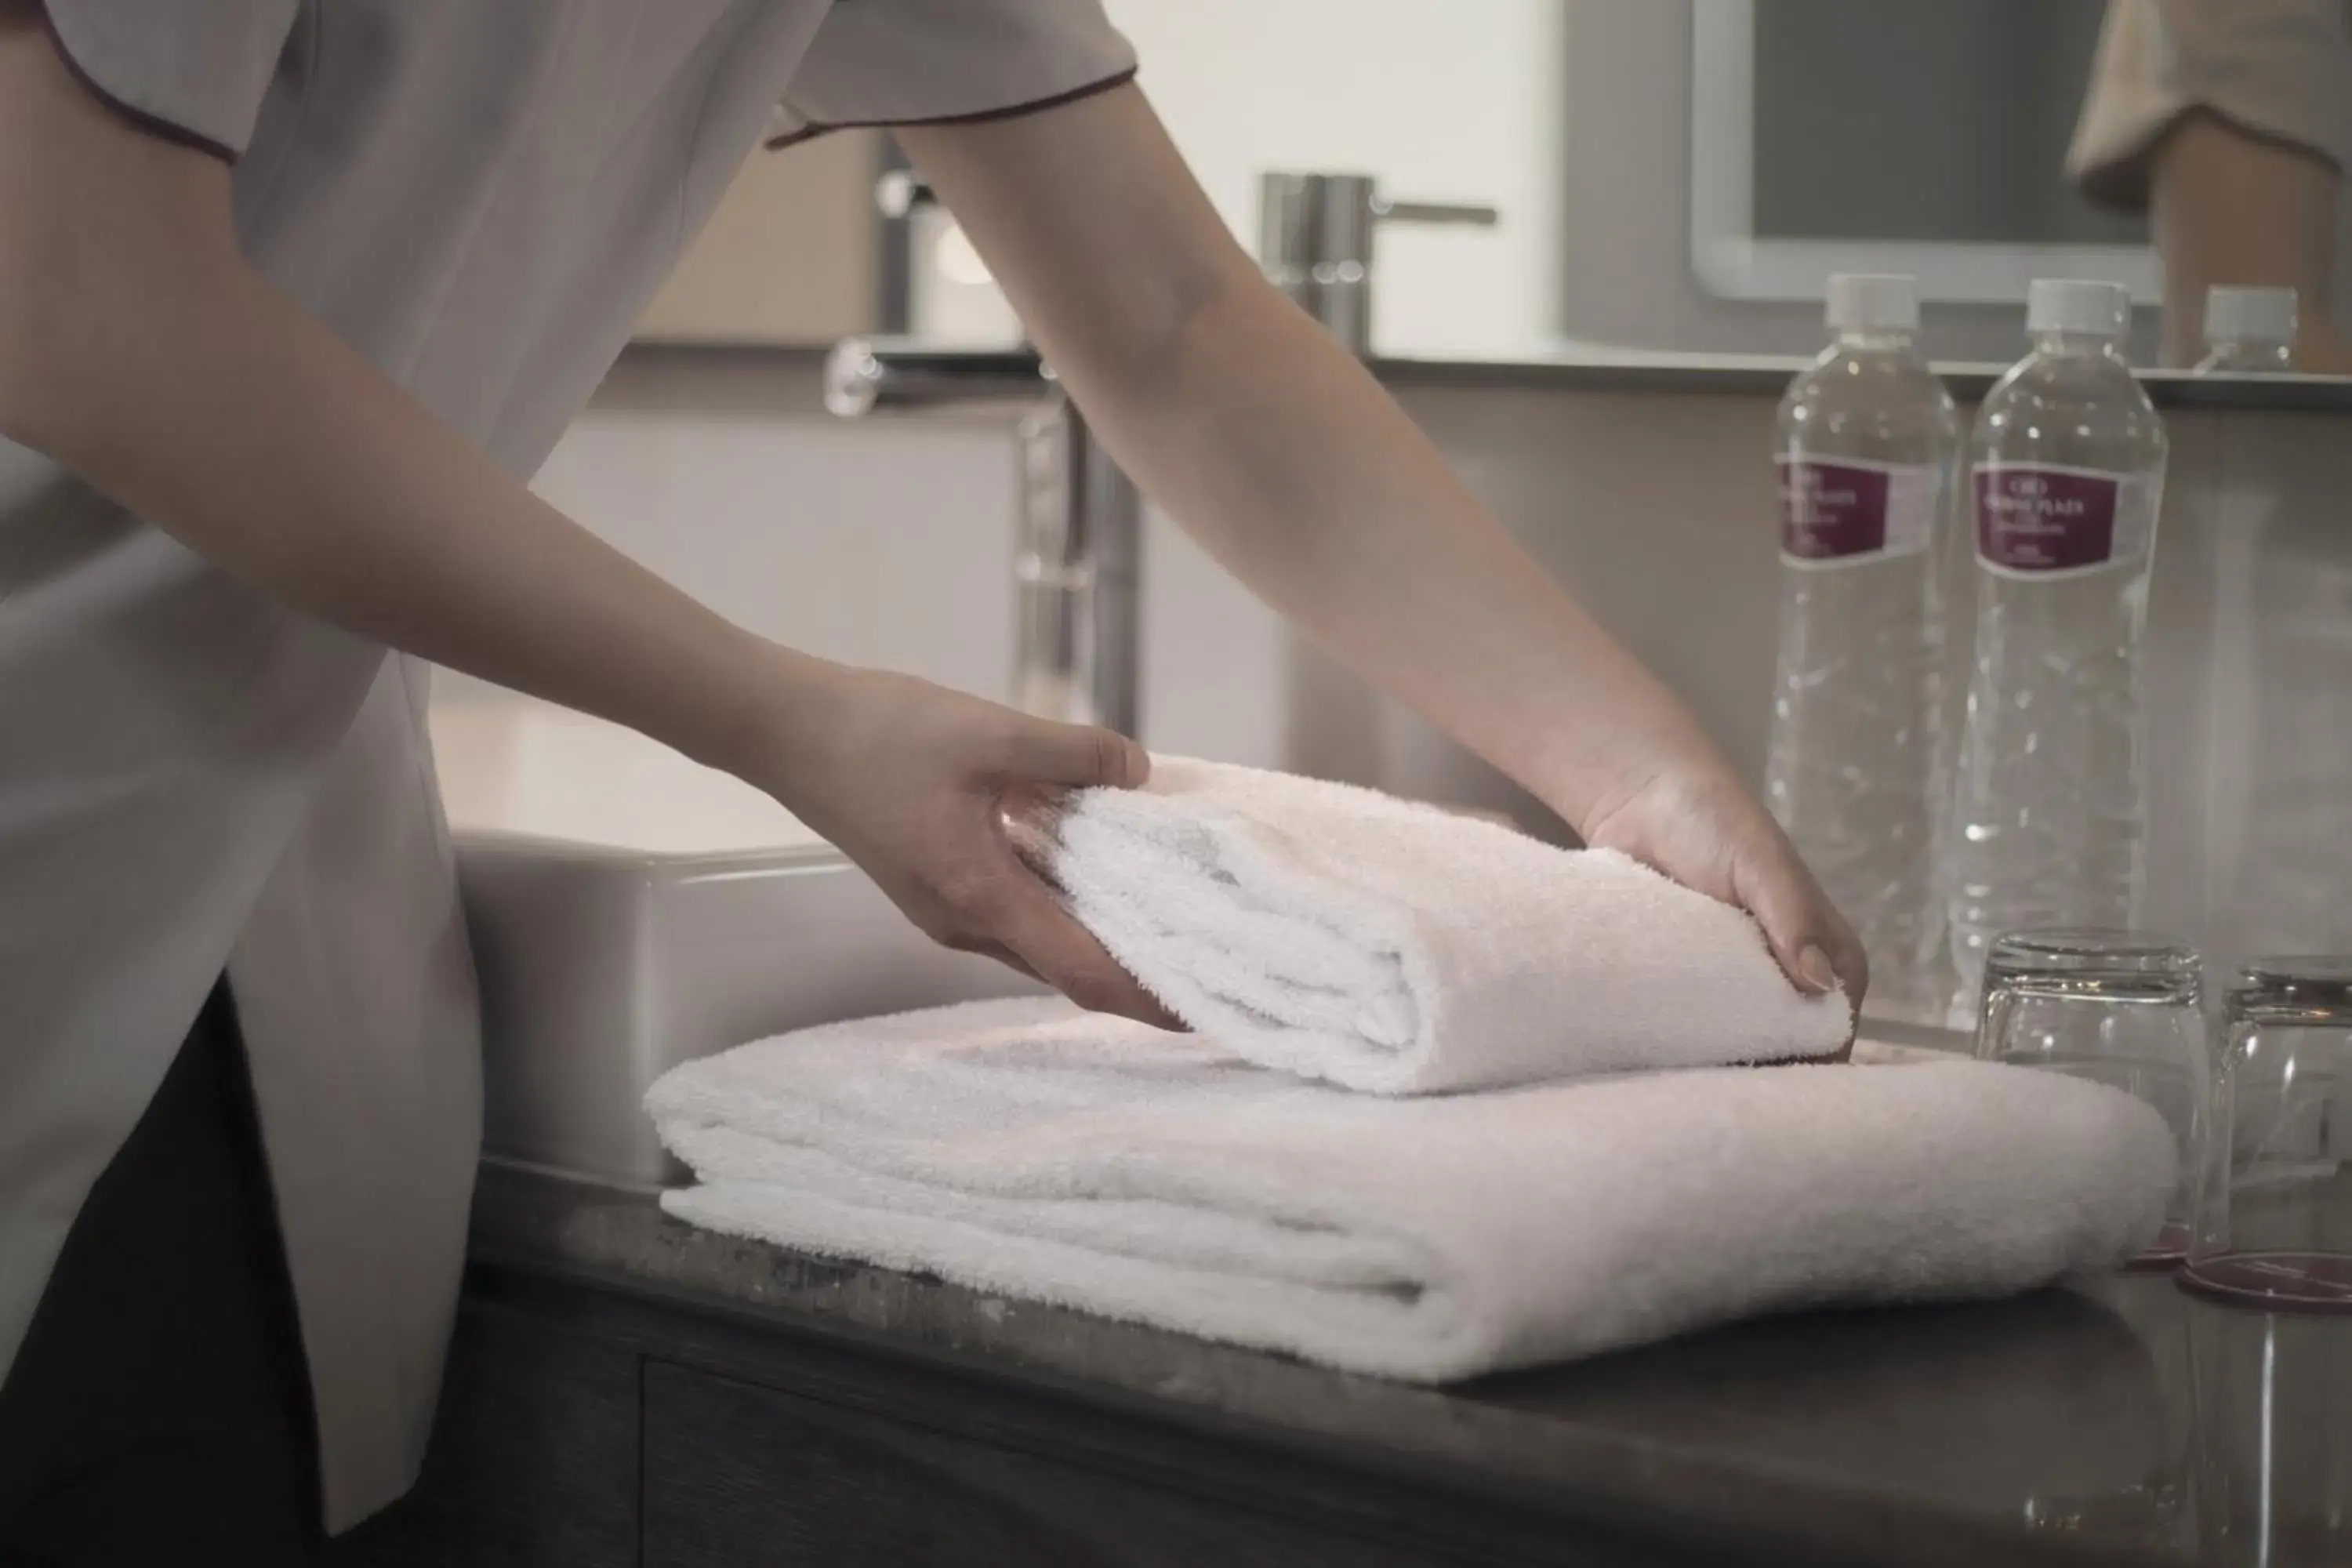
1701	827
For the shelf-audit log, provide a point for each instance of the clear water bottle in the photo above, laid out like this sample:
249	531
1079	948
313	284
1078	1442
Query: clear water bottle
2248	332
2066	471
1869	449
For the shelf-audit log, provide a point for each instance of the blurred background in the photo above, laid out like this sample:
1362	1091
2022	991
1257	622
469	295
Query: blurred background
1669	184
1671	175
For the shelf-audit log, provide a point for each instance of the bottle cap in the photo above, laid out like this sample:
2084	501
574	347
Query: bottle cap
2234	315
1873	301
2077	305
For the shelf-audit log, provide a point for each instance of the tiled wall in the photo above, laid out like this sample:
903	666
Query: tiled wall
889	542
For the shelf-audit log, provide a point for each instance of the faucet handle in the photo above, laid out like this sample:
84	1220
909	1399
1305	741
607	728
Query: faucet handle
1315	242
1310	219
862	374
1458	214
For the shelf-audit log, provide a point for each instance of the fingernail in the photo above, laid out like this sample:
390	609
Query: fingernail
1814	972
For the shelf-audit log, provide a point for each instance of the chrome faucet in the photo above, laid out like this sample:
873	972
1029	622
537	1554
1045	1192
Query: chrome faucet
1315	242
1081	519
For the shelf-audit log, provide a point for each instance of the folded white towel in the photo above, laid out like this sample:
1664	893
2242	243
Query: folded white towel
1399	949
1024	1148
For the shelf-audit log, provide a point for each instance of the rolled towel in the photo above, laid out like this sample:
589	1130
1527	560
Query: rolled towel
1026	1148
1395	948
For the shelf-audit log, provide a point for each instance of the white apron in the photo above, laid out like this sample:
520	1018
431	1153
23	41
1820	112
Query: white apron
479	196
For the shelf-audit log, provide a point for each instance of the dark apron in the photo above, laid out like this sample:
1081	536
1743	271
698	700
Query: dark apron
159	1410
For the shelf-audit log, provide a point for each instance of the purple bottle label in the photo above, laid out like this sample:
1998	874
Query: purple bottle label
2034	518
1852	512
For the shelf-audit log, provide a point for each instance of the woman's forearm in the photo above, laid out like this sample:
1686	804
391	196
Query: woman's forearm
224	416
138	349
1288	462
1277	450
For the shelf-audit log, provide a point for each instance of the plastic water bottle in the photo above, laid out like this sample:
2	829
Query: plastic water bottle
2066	472
2248	332
1869	448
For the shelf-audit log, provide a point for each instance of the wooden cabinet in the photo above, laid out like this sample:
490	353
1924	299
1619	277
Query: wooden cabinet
792	256
534	1457
579	1429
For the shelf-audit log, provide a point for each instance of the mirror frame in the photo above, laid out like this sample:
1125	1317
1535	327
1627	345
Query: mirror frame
1732	263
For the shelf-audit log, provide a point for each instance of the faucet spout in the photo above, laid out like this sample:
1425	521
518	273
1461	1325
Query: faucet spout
1076	565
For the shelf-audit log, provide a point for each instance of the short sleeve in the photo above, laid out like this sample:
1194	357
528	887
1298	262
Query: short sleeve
193	69
905	62
2281	68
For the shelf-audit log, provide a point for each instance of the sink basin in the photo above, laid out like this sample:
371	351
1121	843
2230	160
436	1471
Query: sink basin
631	909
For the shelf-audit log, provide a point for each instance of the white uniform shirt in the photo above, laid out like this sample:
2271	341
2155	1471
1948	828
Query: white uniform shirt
479	196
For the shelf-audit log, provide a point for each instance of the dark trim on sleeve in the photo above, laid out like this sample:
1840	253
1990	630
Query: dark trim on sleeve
153	124
977	117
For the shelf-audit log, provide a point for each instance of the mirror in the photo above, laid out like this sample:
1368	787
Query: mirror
1813	151
1666	175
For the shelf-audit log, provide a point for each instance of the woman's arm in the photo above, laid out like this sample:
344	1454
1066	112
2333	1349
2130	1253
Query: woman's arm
139	349
1279	453
2230	206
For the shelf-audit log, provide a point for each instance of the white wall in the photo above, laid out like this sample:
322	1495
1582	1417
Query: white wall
819	534
873	542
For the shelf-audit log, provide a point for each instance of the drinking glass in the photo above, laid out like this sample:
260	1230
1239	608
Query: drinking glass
2274	1215
2123	1008
2271	1450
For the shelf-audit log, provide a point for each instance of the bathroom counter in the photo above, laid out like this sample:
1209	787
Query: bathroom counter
625	1388
1601	369
790	379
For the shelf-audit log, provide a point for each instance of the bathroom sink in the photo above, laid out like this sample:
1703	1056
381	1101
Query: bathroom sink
631	909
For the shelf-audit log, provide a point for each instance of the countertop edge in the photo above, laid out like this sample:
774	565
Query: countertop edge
1754	1513
1750	376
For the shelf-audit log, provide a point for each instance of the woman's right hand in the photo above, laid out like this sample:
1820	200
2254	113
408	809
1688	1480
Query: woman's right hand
916	784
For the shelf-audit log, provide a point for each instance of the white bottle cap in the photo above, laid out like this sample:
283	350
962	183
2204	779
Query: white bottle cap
2077	305
2235	315
1873	301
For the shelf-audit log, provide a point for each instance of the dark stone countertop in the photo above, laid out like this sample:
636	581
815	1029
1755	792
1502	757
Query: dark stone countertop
2114	1420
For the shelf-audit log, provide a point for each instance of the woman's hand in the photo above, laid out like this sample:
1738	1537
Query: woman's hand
1699	825
918	783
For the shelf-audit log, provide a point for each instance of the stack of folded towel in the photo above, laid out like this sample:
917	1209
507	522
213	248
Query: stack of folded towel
1398	949
1234	1183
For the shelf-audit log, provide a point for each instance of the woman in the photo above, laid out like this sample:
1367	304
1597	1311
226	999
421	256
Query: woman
293	296
2231	125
